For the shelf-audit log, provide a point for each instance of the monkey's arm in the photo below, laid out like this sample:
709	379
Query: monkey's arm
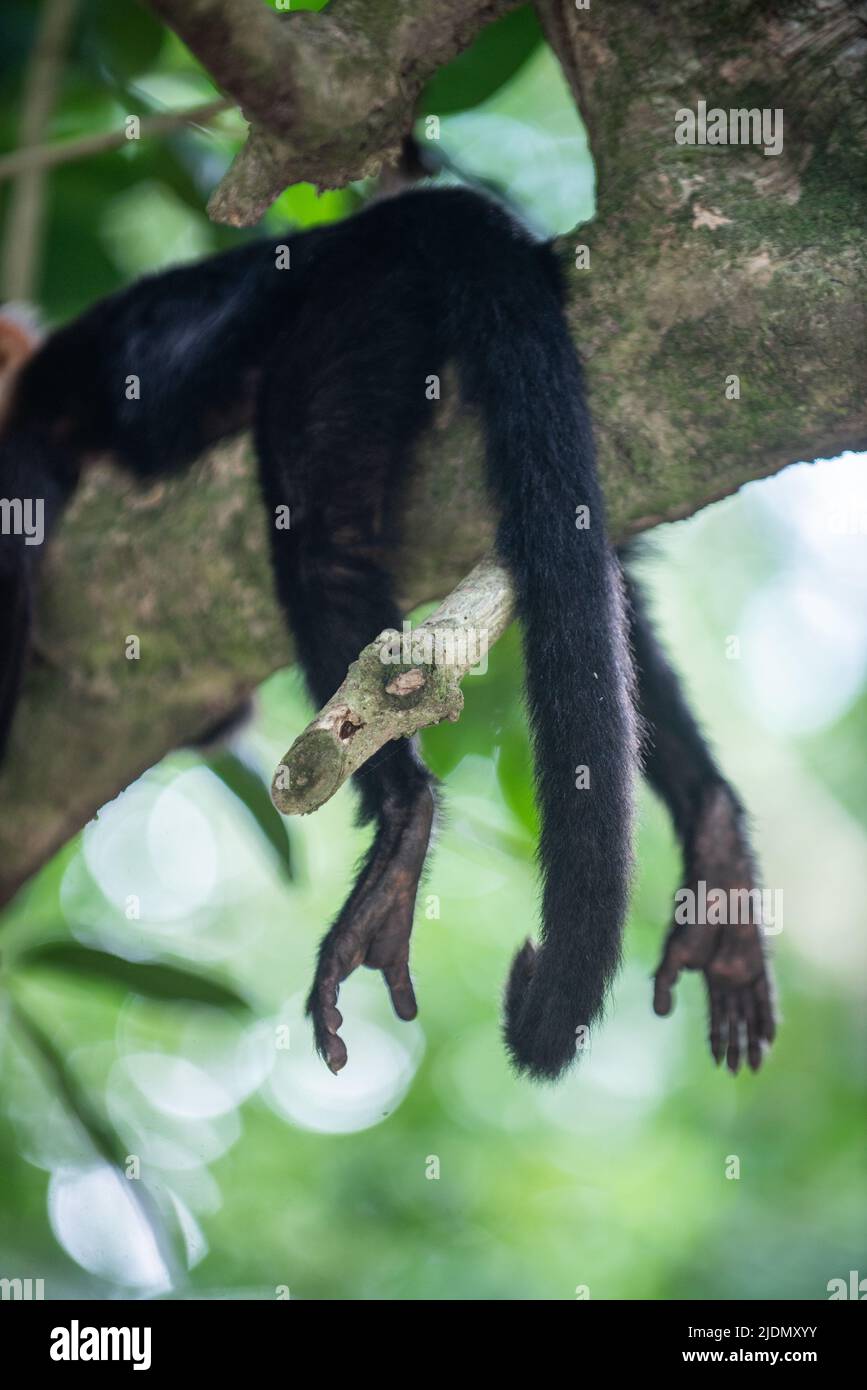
710	824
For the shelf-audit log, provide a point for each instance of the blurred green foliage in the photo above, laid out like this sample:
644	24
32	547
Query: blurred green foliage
154	972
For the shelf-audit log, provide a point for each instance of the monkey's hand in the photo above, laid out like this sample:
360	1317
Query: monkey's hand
736	974
720	884
373	929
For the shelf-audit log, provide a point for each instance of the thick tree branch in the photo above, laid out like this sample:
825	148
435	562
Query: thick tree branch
401	682
712	262
329	96
704	263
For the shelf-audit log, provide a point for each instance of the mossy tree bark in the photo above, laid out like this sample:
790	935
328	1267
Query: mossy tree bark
705	263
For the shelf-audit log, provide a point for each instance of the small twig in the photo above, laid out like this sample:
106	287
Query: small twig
64	152
400	683
330	96
23	241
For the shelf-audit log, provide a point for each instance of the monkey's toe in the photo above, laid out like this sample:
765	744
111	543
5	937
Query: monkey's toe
741	1025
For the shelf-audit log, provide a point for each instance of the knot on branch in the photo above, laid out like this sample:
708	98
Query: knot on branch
407	683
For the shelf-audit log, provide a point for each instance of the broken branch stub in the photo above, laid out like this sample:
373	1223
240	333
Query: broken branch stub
400	683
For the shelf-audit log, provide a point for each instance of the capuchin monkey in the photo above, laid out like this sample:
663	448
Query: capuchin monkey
327	362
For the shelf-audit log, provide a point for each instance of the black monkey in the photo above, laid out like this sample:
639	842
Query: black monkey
328	359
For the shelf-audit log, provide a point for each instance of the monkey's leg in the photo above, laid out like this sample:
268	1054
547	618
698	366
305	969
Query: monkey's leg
338	601
332	441
710	824
374	925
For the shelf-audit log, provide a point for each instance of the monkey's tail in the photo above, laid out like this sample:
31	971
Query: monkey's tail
520	367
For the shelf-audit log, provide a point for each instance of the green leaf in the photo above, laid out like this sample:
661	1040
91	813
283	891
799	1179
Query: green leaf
102	1135
125	38
152	978
301	205
515	776
492	703
246	784
314	5
64	1083
487	64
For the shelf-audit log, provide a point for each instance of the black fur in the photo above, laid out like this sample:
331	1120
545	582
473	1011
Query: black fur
329	359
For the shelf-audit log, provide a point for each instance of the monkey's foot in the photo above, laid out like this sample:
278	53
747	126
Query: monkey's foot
740	994
373	929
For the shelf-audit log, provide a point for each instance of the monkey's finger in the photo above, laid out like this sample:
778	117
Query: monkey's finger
663	1000
324	999
335	1052
328	1041
765	1009
754	1042
331	1016
667	975
400	988
733	1029
327	1018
